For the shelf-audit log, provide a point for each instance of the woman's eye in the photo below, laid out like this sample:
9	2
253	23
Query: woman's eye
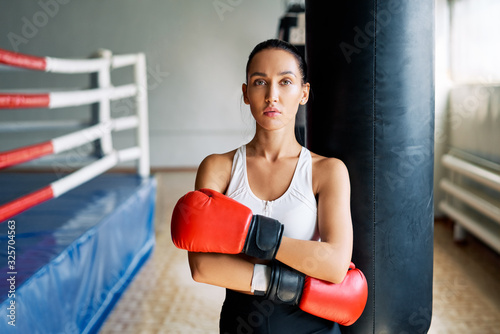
286	82
259	82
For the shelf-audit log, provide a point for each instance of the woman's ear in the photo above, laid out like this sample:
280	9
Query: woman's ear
245	96
305	93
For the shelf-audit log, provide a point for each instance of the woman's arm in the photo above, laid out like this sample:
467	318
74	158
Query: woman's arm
228	271
214	172
330	258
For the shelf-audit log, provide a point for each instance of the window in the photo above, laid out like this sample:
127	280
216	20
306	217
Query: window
475	41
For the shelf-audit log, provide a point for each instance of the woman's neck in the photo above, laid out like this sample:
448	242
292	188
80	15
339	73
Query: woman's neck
273	145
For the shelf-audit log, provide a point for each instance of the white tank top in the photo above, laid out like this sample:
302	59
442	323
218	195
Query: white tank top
296	208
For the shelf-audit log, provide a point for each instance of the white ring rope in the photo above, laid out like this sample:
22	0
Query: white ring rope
84	174
11	61
21	126
70	66
79	138
83	97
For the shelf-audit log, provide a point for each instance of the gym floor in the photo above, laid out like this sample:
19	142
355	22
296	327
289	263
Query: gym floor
163	298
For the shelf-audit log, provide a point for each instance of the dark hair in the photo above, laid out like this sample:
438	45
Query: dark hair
279	44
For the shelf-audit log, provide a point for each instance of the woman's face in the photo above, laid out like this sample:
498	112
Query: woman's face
274	90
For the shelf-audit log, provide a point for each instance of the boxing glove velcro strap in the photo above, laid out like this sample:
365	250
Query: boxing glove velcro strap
264	237
286	285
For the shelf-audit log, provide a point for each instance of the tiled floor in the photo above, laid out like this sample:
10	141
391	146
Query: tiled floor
164	299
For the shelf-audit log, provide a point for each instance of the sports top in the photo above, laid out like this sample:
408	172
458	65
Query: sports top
296	208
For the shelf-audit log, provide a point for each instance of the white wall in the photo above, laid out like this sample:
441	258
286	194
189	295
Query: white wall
196	52
442	87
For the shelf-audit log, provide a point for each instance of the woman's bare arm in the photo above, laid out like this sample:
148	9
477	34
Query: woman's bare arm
228	271
328	259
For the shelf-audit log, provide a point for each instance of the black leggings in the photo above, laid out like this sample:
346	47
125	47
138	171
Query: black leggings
248	314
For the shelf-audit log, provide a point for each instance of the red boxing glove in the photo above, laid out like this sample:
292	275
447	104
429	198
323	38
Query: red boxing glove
208	221
342	303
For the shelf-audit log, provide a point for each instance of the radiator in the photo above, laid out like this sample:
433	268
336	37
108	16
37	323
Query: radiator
472	164
472	201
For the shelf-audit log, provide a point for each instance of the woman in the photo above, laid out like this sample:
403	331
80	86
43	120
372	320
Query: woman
275	176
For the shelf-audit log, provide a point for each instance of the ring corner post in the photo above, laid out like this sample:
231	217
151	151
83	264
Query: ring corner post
140	74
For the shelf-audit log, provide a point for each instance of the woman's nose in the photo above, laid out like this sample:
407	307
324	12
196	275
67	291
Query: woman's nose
272	94
271	99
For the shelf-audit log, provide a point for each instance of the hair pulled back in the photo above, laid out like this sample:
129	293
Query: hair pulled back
281	45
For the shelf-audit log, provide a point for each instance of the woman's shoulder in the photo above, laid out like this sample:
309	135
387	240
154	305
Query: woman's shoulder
214	171
322	163
219	159
327	171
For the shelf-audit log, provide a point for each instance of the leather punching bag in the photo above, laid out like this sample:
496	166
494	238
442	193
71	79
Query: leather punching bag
371	69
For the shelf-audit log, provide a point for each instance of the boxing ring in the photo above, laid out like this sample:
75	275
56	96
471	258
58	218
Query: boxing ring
71	243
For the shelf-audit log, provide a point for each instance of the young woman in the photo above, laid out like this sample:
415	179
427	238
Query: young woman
275	176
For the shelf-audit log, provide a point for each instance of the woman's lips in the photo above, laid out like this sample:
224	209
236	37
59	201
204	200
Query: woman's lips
271	112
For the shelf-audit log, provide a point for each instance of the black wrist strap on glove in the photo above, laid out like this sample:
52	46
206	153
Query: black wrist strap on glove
286	284
264	238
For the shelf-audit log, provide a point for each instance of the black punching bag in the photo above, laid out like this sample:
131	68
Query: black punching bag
371	69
